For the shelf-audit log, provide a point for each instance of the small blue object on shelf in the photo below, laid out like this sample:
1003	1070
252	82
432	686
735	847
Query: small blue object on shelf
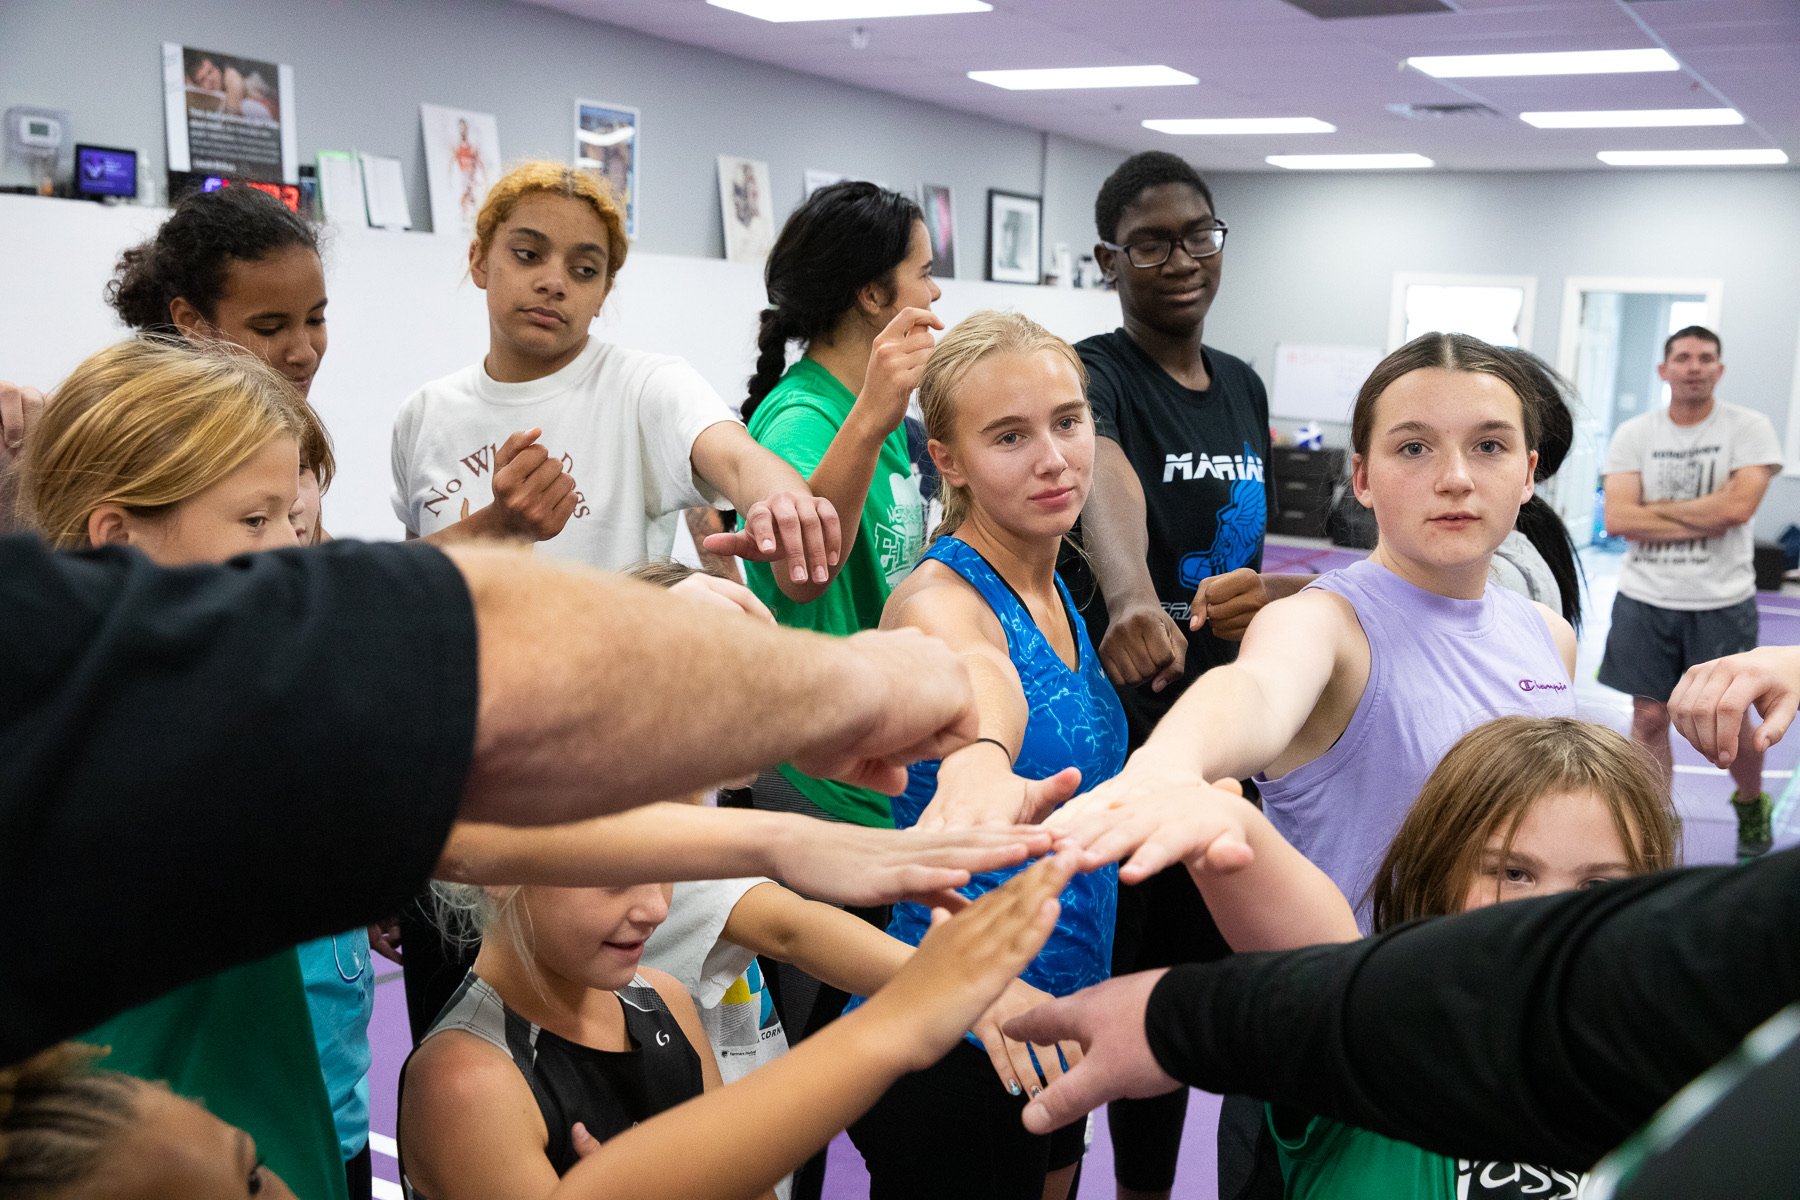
1309	437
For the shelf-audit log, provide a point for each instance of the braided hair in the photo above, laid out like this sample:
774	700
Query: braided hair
840	240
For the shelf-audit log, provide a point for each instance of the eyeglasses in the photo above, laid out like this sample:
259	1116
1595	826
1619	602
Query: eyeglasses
1154	252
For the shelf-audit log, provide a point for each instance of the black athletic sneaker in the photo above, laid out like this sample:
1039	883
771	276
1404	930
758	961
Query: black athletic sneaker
1755	835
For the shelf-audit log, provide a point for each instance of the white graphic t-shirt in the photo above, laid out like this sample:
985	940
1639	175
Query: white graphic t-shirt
723	978
1686	462
623	422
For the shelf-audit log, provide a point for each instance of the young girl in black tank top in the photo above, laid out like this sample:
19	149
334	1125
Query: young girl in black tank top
556	1041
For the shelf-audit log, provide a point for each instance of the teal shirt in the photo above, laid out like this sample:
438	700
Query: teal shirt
797	422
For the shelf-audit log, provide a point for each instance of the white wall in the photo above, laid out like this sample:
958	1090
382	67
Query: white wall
362	68
403	312
1312	259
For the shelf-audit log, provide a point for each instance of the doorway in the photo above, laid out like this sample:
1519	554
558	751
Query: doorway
1612	337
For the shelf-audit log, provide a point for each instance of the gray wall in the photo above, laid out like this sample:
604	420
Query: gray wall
1312	259
363	68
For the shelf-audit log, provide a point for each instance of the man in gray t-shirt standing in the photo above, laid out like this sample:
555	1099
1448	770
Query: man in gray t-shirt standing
1682	486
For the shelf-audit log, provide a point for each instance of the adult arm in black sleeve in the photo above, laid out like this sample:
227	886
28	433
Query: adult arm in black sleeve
1535	1031
200	766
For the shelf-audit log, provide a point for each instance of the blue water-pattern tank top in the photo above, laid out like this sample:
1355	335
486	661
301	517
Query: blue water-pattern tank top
1075	720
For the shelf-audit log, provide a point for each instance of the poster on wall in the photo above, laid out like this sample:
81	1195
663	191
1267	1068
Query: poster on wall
940	224
462	160
744	204
229	115
606	143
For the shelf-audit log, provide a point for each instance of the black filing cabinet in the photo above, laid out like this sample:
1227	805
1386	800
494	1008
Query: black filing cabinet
1305	481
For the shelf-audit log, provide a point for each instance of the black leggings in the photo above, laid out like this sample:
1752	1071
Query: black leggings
1161	922
953	1130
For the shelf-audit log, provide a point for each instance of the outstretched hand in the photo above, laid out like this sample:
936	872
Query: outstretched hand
995	798
1107	1021
801	529
1711	702
1153	818
1013	1060
966	961
864	867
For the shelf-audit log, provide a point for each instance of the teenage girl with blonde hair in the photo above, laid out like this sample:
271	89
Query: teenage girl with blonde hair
194	457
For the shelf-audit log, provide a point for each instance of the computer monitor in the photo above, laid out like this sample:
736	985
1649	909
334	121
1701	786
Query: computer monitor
104	171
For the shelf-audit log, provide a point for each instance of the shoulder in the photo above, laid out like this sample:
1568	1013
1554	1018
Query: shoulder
1749	421
1561	632
648	375
455	1070
1310	608
448	389
937	599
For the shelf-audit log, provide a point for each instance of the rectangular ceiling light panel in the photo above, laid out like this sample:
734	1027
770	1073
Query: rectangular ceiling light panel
1633	118
1692	158
847	10
1568	62
1208	126
1061	78
1349	162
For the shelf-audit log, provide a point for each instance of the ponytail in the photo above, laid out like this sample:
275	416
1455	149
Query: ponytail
1545	530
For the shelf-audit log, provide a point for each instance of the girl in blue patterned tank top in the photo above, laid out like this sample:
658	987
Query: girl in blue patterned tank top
1005	407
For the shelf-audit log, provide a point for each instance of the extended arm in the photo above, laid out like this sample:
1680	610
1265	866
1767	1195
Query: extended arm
658	842
783	520
1142	641
976	784
896	363
756	1130
564	720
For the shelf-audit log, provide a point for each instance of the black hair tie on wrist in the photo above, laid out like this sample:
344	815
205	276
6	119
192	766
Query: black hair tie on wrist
995	742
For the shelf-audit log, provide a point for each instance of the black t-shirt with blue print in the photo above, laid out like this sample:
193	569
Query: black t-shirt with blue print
1200	456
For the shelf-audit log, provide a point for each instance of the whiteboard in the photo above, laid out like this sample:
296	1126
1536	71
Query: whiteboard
404	312
1319	383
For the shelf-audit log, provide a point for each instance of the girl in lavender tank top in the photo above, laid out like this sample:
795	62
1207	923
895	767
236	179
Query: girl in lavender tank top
1345	695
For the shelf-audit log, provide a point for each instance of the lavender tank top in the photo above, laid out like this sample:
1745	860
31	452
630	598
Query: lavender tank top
1437	668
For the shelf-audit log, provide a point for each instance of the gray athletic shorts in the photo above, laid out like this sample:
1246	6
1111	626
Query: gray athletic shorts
1649	648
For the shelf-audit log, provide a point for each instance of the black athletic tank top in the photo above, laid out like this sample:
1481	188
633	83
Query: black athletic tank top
609	1091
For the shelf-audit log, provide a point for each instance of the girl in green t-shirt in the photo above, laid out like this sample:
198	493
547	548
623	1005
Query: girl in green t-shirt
849	279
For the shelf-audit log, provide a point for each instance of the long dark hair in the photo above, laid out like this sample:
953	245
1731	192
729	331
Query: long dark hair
193	251
841	239
1539	522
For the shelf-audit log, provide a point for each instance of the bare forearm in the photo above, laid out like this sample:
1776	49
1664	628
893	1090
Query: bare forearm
650	844
1640	523
827	943
478	527
566	727
1114	534
1221	728
844	474
1280	901
739	1140
1708	515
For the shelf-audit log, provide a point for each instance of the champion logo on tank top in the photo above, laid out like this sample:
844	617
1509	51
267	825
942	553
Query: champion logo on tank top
1533	685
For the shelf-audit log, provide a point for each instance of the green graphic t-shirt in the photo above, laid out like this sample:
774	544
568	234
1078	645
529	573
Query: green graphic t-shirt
1323	1158
797	421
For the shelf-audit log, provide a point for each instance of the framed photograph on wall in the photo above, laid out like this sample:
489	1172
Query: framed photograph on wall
940	223
1015	226
606	143
745	209
229	115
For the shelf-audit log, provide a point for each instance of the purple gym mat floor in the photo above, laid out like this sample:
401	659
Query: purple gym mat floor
1701	791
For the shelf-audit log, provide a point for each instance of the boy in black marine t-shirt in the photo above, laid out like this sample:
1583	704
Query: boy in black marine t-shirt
1173	530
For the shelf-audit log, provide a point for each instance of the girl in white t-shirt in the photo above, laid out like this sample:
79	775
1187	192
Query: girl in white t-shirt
629	439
